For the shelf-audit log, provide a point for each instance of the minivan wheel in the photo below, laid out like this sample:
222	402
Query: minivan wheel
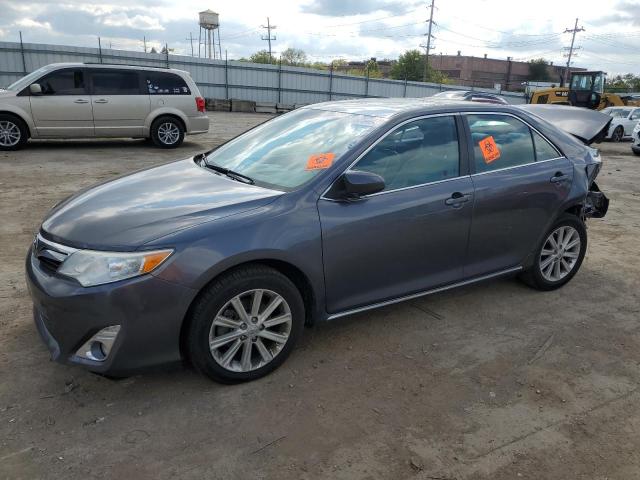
245	324
13	132
167	132
559	257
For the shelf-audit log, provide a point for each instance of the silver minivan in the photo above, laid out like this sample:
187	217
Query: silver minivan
81	100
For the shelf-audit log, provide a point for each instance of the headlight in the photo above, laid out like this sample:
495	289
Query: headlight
91	267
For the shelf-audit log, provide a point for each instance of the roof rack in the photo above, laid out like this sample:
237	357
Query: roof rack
126	65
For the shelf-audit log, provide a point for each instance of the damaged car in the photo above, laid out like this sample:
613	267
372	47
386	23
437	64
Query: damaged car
336	208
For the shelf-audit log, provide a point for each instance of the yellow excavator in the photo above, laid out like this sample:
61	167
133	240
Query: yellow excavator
586	89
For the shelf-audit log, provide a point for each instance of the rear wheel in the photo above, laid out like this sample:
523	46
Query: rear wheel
245	324
167	132
13	132
618	133
559	257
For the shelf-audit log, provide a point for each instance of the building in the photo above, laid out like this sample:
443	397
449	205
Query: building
488	72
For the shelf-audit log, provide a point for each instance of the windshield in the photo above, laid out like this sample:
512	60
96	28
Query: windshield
618	113
27	80
290	150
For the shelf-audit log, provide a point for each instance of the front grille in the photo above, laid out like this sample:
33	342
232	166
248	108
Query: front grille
49	254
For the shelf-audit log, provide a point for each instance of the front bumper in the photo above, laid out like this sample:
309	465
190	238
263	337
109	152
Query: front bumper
150	311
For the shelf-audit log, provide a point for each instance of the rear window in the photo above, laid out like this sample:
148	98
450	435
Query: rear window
161	83
115	82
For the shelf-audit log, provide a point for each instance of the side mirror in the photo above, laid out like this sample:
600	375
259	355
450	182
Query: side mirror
358	183
35	89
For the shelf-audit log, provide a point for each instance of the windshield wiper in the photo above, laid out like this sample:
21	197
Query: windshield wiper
201	158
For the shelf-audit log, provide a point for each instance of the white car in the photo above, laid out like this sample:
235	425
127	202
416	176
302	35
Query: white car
636	139
79	100
623	123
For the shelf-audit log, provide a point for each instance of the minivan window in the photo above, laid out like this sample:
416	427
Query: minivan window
115	82
419	152
500	141
160	83
290	150
63	82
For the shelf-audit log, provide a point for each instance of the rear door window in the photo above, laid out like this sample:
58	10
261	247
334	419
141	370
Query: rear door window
544	150
64	82
115	82
161	83
500	141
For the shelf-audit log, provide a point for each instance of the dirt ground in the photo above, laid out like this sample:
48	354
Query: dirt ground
492	381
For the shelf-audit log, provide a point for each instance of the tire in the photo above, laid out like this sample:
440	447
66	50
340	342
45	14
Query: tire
538	276
617	135
226	362
167	132
13	132
636	152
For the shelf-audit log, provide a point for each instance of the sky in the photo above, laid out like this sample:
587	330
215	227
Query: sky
348	29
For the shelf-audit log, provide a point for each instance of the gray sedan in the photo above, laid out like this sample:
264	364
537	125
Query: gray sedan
326	211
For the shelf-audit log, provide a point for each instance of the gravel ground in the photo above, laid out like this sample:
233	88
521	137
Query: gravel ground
491	381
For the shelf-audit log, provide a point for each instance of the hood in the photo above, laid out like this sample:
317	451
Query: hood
127	212
586	125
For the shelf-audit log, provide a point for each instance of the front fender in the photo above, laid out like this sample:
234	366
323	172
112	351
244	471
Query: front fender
24	112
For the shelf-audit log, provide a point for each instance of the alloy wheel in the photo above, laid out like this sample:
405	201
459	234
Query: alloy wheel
168	133
9	134
560	253
250	330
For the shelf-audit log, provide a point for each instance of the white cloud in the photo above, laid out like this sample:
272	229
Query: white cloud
29	23
138	22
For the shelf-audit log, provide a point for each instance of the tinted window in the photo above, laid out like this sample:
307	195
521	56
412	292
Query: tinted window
419	152
500	141
115	82
63	82
160	83
544	150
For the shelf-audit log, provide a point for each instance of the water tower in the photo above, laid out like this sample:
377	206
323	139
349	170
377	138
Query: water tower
209	22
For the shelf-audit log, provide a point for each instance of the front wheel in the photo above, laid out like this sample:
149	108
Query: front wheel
618	133
167	132
245	324
13	132
559	257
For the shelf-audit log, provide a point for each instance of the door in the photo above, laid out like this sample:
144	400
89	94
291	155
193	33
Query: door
520	182
64	108
410	237
120	104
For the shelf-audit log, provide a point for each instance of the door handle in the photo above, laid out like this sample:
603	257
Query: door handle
457	199
559	177
80	100
102	100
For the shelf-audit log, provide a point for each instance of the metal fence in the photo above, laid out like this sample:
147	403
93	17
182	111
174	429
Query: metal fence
229	79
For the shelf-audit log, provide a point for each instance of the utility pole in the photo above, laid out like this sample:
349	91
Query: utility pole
191	40
428	46
269	37
573	31
144	40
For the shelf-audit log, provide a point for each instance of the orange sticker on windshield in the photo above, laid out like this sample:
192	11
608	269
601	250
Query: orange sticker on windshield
320	161
490	150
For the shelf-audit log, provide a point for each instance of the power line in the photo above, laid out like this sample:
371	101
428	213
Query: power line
269	37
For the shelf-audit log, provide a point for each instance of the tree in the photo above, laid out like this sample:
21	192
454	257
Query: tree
294	57
373	69
153	50
410	66
538	70
261	56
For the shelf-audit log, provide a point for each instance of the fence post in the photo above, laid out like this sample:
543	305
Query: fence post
331	81
280	80
166	49
24	63
404	94
100	49
366	83
226	75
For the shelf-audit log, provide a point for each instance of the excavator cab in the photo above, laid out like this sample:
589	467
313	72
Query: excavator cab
586	89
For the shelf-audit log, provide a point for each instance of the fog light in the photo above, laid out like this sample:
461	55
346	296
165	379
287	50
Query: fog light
98	347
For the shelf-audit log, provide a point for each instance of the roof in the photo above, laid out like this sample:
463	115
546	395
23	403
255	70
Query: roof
388	107
53	66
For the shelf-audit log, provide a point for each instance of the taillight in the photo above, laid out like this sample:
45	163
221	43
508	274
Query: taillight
200	104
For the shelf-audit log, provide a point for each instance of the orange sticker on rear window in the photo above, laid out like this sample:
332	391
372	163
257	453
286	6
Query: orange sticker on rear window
320	161
490	150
